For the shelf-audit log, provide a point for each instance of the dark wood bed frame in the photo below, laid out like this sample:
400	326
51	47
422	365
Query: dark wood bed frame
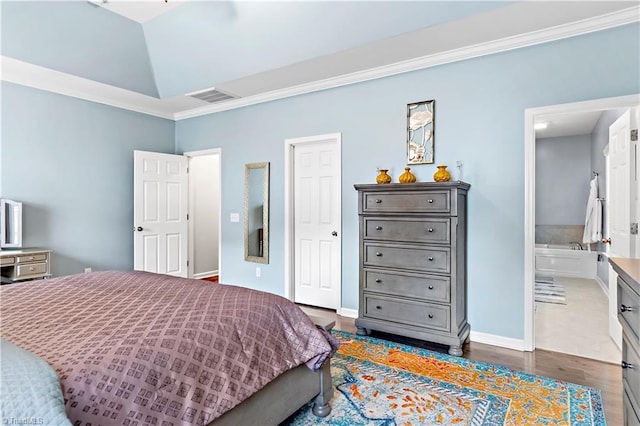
286	394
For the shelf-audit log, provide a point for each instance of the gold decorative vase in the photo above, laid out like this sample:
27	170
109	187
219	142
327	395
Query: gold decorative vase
442	174
407	176
383	177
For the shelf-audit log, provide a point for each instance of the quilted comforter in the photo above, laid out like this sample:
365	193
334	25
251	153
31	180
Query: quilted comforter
141	348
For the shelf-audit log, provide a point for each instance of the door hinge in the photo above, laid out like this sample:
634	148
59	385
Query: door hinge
187	216
634	135
634	228
187	262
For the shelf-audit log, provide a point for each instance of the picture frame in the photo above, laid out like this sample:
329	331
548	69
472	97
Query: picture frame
420	132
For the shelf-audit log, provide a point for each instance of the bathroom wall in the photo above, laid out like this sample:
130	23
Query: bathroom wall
563	171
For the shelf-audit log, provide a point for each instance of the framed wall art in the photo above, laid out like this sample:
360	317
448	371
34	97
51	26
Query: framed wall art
420	124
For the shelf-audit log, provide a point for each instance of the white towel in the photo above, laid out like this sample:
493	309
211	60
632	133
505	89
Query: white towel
593	222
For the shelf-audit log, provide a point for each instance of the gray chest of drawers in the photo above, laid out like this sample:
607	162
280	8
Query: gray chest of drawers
628	283
413	261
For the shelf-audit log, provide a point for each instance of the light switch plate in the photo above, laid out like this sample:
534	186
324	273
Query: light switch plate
234	217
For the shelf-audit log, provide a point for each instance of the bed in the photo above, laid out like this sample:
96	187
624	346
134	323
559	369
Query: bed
137	348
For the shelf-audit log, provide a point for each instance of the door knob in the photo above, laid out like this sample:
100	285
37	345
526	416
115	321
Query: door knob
139	229
606	240
334	233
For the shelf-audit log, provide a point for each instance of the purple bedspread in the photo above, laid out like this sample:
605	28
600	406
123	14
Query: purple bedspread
135	348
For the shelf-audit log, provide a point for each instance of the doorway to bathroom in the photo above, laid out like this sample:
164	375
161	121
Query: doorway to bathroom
567	279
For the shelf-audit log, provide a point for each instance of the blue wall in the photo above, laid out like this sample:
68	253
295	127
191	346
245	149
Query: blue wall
563	173
479	118
71	163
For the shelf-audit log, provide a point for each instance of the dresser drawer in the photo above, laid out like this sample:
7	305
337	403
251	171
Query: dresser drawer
628	306
27	270
407	312
7	260
31	258
631	376
408	229
417	258
435	289
631	418
402	202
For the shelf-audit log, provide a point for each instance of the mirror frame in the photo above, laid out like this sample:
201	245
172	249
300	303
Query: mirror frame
265	213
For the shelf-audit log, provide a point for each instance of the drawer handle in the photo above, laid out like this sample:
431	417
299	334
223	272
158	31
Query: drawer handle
430	201
31	258
378	307
625	364
378	280
430	230
378	201
378	228
31	268
430	258
379	254
625	308
430	287
430	316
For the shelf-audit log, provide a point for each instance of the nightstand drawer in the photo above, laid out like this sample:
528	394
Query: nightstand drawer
407	312
435	289
23	271
408	229
31	258
419	258
409	201
7	260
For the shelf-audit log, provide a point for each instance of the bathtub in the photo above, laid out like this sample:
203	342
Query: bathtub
559	260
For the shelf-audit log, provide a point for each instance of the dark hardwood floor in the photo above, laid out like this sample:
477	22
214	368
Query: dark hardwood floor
569	368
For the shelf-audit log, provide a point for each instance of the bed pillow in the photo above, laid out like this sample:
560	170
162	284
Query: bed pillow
30	389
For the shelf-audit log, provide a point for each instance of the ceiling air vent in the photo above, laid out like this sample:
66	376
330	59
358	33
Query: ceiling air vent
212	96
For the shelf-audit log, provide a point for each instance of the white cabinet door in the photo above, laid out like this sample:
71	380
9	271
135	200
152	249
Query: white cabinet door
160	207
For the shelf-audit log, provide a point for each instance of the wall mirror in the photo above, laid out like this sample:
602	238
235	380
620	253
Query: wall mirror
256	212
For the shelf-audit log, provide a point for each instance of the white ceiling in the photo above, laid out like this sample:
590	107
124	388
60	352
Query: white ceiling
140	10
449	37
574	124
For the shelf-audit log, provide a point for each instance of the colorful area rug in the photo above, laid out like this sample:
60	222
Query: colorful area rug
384	383
548	290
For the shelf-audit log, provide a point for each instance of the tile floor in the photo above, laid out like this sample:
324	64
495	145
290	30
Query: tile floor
581	327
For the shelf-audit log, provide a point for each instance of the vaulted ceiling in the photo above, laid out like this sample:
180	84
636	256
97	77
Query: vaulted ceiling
155	52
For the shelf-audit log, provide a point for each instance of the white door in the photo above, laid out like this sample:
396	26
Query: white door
160	203
619	195
317	223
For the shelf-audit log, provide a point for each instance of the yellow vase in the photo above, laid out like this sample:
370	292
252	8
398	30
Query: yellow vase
407	176
442	174
383	177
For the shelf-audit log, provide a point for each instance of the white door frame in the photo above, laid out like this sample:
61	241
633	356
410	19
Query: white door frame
289	223
530	116
190	154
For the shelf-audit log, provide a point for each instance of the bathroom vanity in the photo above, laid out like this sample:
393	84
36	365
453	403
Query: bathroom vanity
628	302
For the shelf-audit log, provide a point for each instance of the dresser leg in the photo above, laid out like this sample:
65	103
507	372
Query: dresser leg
455	350
363	331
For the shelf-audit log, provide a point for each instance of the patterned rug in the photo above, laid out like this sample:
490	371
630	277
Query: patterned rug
384	383
548	290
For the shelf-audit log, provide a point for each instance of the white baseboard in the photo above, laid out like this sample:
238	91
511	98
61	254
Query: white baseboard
603	286
346	312
501	341
207	274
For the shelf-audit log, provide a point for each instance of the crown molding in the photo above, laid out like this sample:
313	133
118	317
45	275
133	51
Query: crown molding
38	77
602	22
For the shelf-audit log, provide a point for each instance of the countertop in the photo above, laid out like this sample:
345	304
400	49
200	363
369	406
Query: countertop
628	268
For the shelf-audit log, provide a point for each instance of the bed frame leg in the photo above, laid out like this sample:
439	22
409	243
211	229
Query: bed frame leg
321	407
